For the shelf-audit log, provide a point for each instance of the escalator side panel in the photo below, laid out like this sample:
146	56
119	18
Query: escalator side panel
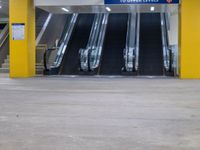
151	54
79	39
115	39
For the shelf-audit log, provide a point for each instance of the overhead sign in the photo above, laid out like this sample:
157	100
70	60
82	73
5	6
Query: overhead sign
141	1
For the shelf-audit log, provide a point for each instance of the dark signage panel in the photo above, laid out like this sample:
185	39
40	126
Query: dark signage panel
141	1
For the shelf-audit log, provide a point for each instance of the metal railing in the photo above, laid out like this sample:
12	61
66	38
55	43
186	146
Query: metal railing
90	56
131	51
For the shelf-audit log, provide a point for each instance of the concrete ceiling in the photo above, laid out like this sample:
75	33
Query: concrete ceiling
4	8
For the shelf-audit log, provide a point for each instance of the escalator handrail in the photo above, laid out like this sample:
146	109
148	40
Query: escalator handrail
137	43
95	53
131	41
126	50
93	43
64	44
45	57
94	31
165	42
84	58
169	49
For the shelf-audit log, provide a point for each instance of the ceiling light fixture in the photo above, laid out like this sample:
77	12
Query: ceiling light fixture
0	7
108	9
152	8
65	9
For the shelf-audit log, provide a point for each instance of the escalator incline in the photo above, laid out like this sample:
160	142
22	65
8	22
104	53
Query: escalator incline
151	55
115	39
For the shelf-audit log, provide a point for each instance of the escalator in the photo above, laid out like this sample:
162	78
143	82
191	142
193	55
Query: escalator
151	52
143	36
71	64
115	39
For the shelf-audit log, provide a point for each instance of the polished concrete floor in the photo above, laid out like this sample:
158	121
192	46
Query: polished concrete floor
99	114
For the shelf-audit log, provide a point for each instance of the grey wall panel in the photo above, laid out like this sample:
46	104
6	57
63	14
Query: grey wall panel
54	30
67	2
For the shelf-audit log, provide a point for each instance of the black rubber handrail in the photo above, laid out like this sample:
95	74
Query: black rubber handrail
45	58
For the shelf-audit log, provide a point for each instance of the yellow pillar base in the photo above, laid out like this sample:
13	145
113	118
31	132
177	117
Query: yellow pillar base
22	51
190	39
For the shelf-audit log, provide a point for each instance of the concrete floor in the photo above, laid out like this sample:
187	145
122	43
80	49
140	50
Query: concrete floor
99	114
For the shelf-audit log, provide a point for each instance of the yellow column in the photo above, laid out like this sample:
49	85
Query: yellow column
22	52
190	39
